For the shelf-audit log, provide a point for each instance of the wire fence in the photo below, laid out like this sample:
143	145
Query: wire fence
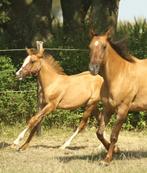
12	91
21	50
51	49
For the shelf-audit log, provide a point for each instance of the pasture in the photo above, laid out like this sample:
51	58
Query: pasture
44	155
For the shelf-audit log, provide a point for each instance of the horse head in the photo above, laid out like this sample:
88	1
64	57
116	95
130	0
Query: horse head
32	63
98	46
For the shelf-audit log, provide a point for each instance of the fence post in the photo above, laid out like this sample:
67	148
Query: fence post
39	104
39	45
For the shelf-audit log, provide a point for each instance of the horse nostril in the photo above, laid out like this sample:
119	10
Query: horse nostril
18	75
94	68
90	67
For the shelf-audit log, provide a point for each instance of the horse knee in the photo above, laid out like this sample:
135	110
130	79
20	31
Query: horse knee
33	121
99	134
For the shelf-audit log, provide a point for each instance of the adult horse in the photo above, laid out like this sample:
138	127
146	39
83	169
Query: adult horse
124	88
59	90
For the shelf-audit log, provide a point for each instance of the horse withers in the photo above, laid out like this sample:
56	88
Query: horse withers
124	88
59	91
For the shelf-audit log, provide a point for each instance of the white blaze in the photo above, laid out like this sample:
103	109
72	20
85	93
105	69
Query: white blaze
96	43
26	61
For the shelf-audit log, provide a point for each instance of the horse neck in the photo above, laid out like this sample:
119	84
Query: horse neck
113	65
47	75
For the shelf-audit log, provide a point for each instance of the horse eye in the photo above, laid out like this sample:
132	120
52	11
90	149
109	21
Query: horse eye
32	62
104	46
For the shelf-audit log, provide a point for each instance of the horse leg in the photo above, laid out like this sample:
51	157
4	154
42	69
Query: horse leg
19	138
35	120
32	132
95	113
121	117
103	119
86	115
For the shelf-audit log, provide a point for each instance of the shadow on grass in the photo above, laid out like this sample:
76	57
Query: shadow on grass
58	146
4	145
45	146
92	157
124	155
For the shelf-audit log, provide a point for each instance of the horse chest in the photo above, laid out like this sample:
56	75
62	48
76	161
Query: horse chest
109	101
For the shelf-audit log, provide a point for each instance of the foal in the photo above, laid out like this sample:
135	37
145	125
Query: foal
59	91
124	87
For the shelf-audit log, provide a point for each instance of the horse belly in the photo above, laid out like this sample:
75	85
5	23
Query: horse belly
140	101
74	99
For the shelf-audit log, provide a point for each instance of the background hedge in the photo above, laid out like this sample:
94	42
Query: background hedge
19	106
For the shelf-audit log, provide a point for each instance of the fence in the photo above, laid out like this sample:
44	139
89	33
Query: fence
48	49
26	92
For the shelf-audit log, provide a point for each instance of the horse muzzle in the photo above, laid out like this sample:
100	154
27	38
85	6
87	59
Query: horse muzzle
94	68
19	76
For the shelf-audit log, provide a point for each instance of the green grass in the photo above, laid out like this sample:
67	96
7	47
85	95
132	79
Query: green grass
44	155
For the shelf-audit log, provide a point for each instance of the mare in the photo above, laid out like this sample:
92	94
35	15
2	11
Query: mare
124	88
59	91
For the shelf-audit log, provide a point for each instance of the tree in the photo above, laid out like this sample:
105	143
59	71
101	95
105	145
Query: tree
104	14
30	21
74	13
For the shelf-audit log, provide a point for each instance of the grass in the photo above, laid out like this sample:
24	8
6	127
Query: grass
44	155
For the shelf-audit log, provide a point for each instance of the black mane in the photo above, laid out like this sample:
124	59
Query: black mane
121	48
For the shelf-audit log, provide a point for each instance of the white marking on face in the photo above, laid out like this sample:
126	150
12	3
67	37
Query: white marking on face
96	43
26	61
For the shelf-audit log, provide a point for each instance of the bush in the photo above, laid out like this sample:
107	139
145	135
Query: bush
136	34
19	106
15	104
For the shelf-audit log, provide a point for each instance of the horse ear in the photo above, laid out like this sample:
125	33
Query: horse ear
40	48
39	45
109	33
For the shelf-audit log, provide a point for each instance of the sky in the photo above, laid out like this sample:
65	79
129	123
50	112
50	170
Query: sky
130	9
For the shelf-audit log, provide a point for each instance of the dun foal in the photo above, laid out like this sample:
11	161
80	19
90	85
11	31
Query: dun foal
124	87
59	91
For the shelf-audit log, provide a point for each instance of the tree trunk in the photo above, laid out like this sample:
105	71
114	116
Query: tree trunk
40	104
74	13
30	21
42	20
104	14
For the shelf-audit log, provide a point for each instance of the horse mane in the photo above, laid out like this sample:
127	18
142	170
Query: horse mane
50	60
55	64
121	48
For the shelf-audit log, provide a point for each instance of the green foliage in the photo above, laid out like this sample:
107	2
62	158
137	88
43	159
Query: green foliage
4	17
7	78
136	120
63	118
17	107
136	34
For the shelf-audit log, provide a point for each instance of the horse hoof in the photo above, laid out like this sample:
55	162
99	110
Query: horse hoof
23	147
62	147
104	163
13	146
